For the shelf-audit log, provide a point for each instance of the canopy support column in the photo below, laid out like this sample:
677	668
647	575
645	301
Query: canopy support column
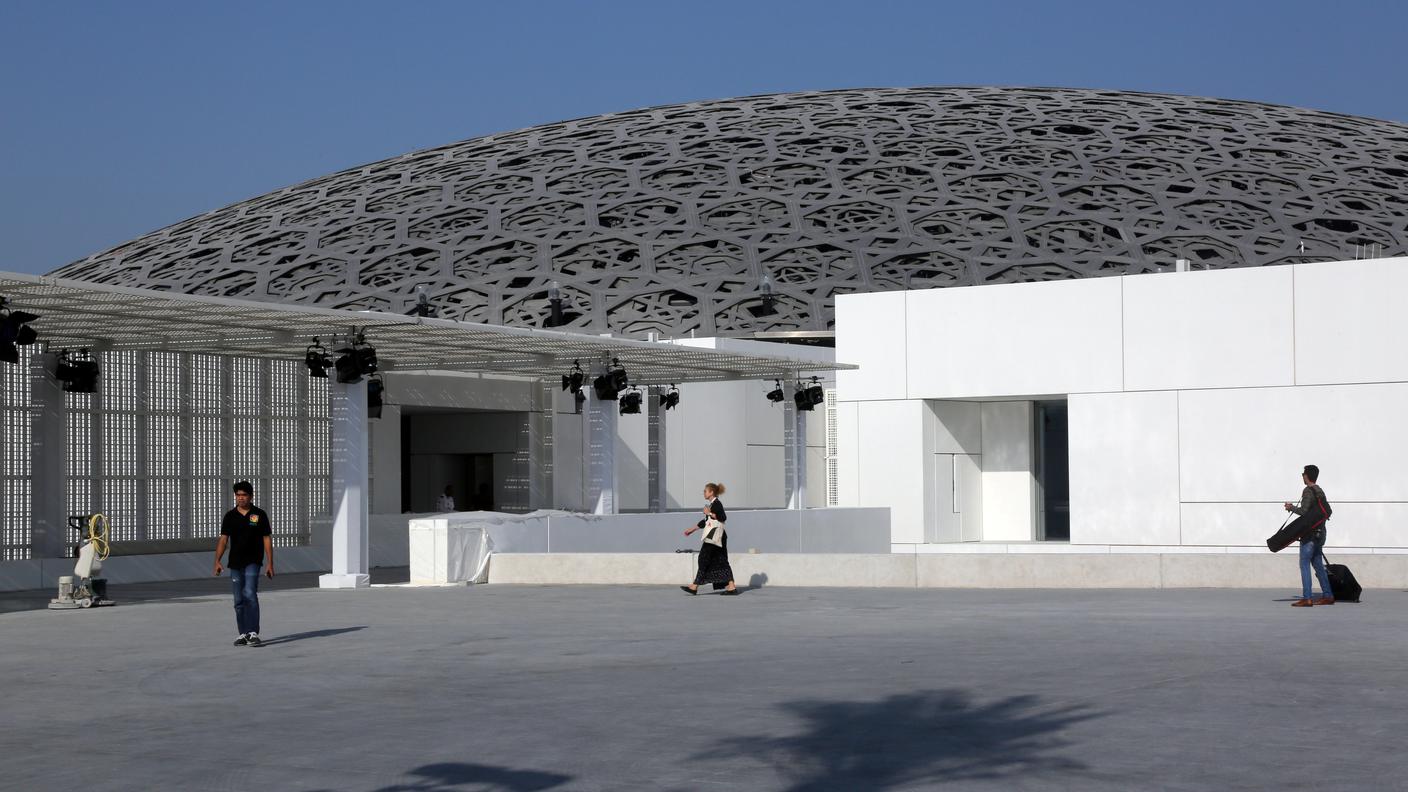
349	486
49	457
794	452
601	455
657	446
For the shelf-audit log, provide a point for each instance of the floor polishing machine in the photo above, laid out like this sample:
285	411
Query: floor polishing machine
84	589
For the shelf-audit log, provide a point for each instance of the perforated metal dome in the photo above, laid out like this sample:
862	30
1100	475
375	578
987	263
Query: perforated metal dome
667	219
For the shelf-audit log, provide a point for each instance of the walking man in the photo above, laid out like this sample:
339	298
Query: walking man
1313	513
247	532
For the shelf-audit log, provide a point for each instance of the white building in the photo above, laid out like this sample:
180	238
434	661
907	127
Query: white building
1188	402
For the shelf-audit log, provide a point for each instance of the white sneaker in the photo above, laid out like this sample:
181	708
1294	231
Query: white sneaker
253	640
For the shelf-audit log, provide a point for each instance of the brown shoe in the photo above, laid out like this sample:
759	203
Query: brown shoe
1324	600
1302	603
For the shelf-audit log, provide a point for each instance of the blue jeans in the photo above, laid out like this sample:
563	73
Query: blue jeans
246	585
1310	556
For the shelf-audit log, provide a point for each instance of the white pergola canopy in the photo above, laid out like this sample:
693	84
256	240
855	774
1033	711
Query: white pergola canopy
77	314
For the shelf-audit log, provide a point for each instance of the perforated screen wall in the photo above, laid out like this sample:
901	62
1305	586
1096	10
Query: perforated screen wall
158	447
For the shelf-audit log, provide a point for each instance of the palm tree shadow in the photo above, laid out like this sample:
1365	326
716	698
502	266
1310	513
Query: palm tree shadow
915	738
465	777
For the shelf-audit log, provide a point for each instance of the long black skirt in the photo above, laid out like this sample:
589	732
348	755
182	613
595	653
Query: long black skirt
713	566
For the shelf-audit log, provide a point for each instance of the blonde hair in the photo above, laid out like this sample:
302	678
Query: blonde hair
717	489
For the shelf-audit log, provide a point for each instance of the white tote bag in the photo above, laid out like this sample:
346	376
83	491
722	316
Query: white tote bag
713	532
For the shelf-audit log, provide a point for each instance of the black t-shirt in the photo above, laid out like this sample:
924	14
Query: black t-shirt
246	532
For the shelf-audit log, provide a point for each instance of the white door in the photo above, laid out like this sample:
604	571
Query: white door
945	524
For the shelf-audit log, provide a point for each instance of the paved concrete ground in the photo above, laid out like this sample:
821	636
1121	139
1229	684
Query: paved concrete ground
599	688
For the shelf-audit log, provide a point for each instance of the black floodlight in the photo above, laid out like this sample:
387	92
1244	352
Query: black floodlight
671	399
376	390
808	397
15	331
610	384
573	380
77	371
767	305
355	361
776	394
630	403
317	359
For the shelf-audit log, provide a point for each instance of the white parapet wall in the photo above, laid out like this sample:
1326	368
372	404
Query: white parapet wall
945	570
440	544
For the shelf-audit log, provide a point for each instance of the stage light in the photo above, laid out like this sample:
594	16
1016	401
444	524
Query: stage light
630	403
77	371
355	361
776	394
573	380
15	331
808	397
376	391
671	399
609	385
317	359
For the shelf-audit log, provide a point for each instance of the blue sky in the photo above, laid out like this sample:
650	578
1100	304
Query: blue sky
123	117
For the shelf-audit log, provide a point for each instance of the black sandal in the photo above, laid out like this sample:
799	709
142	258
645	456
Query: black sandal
691	592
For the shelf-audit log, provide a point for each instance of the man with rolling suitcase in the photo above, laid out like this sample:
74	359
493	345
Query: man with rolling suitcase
1309	526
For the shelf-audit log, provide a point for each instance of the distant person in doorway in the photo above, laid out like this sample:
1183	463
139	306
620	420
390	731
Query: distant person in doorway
249	536
446	501
713	552
1314	512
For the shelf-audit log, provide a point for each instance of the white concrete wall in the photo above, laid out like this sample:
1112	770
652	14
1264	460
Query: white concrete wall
1195	399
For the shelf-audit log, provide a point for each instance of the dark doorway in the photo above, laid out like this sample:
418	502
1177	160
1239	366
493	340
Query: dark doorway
1053	471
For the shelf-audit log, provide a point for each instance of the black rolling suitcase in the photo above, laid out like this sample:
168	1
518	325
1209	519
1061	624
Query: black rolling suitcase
1342	582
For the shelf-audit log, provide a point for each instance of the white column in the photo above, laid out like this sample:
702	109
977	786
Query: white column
601	455
657	448
794	454
540	445
349	486
49	457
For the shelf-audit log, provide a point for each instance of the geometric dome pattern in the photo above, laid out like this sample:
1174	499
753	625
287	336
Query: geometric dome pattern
667	219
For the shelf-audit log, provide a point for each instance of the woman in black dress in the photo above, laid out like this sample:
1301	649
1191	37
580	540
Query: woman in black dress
713	559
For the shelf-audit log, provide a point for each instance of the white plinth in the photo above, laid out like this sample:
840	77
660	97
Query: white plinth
344	581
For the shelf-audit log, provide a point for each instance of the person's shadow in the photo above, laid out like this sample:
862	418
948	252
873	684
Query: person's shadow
924	738
757	581
303	636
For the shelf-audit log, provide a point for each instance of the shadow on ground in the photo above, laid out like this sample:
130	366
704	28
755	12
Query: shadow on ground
928	737
282	639
462	777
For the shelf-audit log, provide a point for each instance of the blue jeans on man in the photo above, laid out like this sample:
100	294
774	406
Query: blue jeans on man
1310	556
246	584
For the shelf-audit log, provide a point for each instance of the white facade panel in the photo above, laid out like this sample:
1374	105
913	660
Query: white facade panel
633	461
893	464
1250	444
764	417
1211	329
1124	468
761	487
1351	325
1008	484
1013	340
871	334
1249	525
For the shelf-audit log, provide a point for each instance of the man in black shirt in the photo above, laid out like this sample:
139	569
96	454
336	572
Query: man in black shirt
248	534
